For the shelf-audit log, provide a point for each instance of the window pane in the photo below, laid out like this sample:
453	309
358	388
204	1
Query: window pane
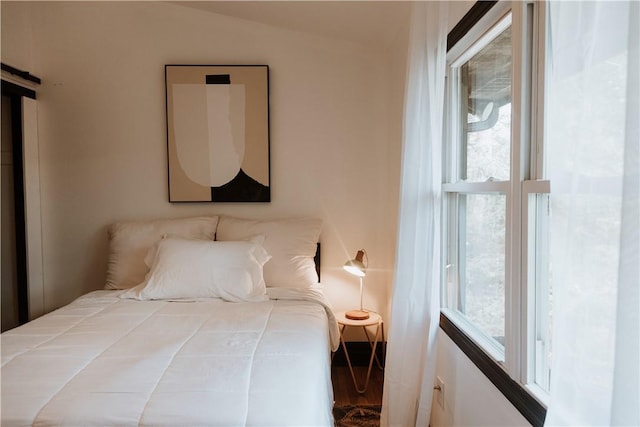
486	97
482	270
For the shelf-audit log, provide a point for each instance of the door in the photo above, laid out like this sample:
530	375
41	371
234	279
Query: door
14	295
9	289
22	284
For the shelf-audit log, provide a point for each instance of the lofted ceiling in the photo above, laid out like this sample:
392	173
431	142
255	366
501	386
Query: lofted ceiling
372	23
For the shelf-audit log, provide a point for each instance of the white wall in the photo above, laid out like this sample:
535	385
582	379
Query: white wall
470	399
103	138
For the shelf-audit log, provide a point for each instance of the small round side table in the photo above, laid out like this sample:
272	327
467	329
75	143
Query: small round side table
374	320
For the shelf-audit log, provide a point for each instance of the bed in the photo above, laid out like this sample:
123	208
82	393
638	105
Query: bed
153	353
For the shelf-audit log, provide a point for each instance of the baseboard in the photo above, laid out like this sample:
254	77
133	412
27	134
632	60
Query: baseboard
359	353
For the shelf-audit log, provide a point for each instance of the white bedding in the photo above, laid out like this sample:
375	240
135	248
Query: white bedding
102	360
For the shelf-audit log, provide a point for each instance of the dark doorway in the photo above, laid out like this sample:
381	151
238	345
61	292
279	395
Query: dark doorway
14	285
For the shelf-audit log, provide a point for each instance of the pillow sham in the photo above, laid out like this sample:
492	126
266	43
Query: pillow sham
153	250
129	242
204	269
290	242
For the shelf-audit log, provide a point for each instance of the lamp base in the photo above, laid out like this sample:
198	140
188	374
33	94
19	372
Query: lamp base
356	315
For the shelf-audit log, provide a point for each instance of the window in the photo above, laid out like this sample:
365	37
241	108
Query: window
496	289
478	183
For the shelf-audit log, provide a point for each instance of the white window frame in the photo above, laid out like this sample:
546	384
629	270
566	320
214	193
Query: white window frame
527	21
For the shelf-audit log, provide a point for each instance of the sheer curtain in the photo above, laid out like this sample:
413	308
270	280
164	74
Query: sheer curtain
593	163
415	308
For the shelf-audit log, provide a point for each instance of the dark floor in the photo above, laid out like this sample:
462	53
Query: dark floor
344	392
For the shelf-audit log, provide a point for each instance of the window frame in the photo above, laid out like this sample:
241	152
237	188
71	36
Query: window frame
514	374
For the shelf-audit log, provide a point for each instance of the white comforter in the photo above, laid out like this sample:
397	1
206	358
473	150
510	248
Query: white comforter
102	360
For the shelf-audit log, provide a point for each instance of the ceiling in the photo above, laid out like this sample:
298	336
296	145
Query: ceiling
373	23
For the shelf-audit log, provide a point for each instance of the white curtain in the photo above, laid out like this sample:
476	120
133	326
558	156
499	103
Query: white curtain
415	308
593	159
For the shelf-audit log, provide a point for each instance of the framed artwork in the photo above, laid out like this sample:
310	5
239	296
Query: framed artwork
218	133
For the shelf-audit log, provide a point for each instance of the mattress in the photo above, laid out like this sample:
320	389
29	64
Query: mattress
103	360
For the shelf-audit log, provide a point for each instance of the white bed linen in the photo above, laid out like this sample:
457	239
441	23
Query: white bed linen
102	360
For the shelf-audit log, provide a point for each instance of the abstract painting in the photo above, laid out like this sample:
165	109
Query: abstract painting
218	133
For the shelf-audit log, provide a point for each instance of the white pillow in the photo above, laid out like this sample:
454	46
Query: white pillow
204	269
291	244
153	250
130	241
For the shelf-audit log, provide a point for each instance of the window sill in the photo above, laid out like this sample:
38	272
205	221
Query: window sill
518	395
493	349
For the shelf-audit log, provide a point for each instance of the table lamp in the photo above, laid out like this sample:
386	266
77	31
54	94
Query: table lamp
357	267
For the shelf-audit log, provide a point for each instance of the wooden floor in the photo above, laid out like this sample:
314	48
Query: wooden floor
344	392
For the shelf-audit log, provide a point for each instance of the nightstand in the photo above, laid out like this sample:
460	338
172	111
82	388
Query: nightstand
373	320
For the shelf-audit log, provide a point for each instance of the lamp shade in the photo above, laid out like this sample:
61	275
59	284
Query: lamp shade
356	266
